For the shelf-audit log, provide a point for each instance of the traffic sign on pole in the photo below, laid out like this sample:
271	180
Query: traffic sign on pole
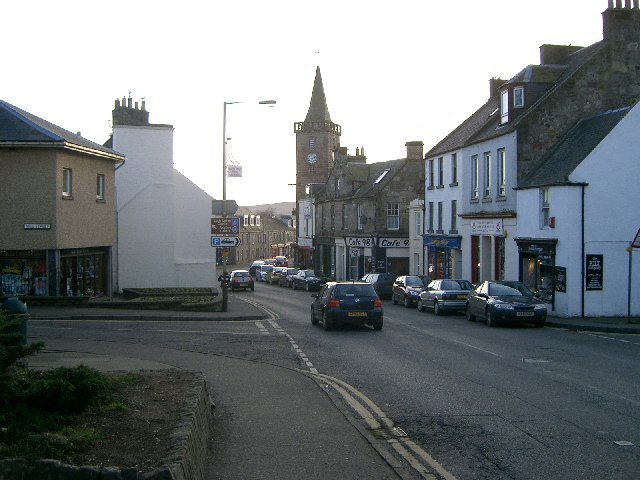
225	226
225	241
636	241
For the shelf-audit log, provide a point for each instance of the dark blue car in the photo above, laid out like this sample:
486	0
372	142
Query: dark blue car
347	303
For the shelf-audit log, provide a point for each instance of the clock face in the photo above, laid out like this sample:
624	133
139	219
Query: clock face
312	158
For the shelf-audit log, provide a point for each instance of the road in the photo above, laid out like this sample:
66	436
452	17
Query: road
464	400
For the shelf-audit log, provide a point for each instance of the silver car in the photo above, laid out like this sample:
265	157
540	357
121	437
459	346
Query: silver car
445	295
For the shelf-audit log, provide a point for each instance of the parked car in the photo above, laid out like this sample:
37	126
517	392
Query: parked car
307	280
382	283
261	274
508	302
255	266
445	295
273	277
240	280
281	261
347	303
406	289
286	277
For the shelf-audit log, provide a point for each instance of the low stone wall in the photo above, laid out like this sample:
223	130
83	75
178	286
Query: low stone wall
187	458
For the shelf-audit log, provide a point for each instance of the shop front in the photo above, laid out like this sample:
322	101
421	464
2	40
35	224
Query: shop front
72	272
360	259
443	256
537	258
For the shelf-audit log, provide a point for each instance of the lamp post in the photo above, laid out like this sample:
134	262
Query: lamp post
224	150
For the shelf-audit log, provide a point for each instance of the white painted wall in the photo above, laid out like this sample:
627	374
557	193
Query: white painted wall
163	220
611	220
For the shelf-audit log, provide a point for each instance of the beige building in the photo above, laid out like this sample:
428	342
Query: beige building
58	224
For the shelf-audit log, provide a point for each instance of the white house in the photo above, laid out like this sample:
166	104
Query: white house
164	229
586	205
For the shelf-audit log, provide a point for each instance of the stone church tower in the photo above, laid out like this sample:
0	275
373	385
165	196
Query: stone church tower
316	139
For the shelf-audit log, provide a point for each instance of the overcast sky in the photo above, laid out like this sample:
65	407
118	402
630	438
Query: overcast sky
393	72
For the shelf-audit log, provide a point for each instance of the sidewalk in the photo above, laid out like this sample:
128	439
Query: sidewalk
241	310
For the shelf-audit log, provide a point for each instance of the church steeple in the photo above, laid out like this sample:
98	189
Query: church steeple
318	110
316	140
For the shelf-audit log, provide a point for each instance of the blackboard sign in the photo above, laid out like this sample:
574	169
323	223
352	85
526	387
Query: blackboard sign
594	269
561	279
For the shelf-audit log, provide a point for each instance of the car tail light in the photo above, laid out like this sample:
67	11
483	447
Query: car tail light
333	303
377	303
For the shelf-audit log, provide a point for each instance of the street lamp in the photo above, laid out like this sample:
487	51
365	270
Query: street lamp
224	150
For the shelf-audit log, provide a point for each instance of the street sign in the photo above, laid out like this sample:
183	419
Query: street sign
636	241
225	226
225	241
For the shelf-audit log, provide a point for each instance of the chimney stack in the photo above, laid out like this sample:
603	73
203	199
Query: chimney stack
622	21
415	150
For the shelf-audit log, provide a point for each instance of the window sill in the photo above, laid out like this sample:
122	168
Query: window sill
431	187
67	197
440	187
453	232
475	200
440	232
487	200
454	184
501	198
100	200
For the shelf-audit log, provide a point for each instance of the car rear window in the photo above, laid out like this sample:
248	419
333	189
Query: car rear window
456	285
354	291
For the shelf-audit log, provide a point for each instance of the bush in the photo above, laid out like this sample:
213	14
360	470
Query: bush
12	343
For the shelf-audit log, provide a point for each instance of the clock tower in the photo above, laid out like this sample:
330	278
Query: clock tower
316	139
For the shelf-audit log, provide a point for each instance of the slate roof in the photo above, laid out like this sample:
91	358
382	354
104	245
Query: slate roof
576	145
20	128
484	123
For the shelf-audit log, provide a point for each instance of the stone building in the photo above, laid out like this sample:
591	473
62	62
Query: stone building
473	204
57	191
362	214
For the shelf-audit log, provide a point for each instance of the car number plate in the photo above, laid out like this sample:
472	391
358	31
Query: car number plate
357	314
461	297
524	314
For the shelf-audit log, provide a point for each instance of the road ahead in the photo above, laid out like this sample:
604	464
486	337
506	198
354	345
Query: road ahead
474	402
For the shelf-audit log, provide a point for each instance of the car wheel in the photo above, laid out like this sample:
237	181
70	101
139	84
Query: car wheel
406	302
393	299
436	308
470	317
326	323
491	321
314	320
378	325
420	305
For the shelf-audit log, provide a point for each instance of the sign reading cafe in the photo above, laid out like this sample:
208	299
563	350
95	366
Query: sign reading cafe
359	242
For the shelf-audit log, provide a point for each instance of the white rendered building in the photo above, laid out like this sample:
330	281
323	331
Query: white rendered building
163	218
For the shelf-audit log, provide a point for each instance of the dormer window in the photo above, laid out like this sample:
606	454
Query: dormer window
504	106
518	97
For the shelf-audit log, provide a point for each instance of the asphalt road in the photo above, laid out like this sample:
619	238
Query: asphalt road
474	402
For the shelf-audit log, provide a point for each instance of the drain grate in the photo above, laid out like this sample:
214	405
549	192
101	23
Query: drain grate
388	432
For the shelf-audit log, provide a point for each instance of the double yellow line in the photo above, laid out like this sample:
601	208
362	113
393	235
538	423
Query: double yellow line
396	438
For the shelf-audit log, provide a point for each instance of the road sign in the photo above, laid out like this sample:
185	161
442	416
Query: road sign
225	241
225	226
230	207
636	241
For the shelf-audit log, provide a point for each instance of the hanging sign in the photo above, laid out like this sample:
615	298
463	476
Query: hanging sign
234	170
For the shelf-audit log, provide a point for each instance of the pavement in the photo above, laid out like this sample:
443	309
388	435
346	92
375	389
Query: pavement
269	421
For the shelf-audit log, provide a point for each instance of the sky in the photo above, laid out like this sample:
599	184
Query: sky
393	72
